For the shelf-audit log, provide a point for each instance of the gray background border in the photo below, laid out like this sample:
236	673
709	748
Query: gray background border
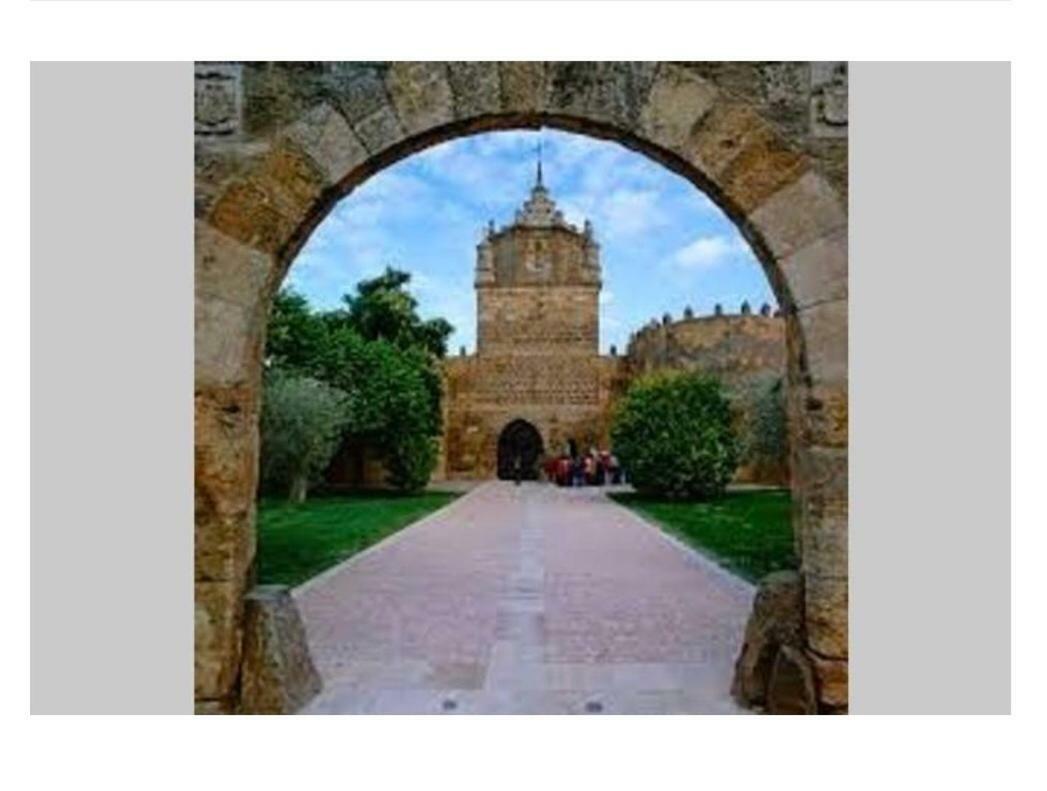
111	492
112	372
930	381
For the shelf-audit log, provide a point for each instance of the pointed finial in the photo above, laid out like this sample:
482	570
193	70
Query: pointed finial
538	181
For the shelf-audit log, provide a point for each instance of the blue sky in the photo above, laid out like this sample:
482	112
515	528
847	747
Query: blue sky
664	244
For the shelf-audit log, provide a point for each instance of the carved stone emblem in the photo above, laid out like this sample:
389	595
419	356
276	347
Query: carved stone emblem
217	99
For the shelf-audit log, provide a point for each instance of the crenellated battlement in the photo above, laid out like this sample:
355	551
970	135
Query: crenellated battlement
736	347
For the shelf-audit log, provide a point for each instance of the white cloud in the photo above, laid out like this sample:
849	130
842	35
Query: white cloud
707	252
630	212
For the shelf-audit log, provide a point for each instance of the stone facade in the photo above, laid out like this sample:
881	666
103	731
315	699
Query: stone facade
537	343
278	144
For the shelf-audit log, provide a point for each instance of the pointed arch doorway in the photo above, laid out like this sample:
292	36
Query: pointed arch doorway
520	443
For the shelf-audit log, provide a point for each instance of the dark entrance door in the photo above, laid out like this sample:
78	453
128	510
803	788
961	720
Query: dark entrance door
521	441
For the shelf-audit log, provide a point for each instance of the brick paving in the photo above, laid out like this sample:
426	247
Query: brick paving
526	600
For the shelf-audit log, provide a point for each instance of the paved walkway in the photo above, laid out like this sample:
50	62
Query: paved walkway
526	600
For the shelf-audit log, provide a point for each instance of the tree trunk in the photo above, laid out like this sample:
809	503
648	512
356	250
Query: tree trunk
299	489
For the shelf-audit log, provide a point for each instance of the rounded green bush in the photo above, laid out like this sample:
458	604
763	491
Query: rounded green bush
674	436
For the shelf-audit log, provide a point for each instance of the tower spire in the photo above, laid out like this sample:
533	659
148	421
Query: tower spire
538	180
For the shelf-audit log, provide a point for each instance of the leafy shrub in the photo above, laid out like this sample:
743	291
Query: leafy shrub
674	437
410	462
302	424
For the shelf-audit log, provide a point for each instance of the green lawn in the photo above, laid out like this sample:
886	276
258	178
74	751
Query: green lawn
748	533
296	542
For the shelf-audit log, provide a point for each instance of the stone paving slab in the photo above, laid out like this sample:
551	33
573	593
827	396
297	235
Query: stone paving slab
526	599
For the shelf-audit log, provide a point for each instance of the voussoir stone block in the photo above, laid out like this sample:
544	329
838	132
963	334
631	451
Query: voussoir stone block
524	86
821	502
421	95
227	340
721	135
297	180
325	135
612	92
678	99
823	535
831	678
763	164
216	164
278	675
826	415
217	609
224	543
226	448
358	89
822	471
247	212
824	330
265	207
825	604
817	272
230	270
381	130
799	213
476	88
818	412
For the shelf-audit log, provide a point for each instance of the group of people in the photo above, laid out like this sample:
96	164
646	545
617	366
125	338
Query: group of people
595	468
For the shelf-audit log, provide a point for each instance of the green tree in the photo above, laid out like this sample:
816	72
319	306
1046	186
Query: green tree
383	309
382	356
297	339
674	436
302	423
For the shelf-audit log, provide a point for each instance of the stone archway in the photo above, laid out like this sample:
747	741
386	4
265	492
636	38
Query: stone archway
520	443
277	145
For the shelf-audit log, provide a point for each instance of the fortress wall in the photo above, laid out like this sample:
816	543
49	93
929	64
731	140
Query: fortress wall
735	348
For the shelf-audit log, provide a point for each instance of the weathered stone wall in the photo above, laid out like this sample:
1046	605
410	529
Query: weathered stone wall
563	399
736	348
535	320
278	144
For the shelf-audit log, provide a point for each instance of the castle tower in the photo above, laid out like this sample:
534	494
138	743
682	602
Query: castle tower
538	283
537	382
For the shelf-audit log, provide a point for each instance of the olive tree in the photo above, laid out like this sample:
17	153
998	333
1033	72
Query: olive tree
302	423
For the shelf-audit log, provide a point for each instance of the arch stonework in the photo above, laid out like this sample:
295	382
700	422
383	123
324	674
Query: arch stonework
277	145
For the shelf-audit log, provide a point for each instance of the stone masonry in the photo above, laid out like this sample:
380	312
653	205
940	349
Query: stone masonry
278	144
